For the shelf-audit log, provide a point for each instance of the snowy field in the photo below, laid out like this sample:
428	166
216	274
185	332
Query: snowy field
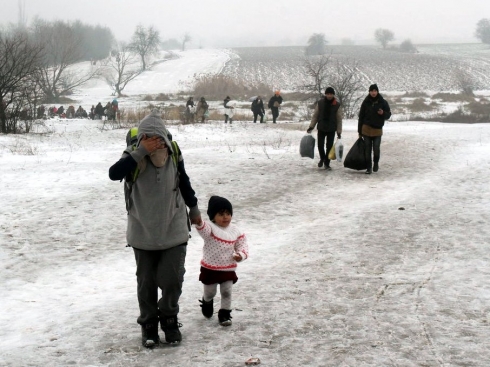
345	269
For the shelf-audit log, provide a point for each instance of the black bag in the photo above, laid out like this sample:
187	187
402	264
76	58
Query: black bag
307	146
356	158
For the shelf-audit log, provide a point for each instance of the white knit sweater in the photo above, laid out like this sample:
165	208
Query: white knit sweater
220	244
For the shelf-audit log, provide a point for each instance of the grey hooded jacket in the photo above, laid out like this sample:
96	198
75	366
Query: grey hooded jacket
157	218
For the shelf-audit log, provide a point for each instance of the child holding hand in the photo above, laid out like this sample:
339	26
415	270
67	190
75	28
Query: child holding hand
224	246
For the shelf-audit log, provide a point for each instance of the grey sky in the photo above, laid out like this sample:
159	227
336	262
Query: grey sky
263	22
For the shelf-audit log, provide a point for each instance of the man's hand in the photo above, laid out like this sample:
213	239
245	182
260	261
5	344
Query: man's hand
310	129
152	144
380	111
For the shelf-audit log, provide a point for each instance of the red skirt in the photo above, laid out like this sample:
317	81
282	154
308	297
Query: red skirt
209	276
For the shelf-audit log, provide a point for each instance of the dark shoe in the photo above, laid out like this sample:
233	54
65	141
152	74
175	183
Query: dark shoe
224	317
375	167
170	326
149	335
328	168
368	171
207	308
320	164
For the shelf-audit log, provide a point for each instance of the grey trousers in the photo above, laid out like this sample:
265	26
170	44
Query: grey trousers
164	270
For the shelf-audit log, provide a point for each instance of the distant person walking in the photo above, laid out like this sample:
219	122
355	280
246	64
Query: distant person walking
229	110
258	109
202	109
372	115
189	110
328	115
274	104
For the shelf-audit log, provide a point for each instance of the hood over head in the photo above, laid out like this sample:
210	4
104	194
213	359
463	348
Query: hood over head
152	125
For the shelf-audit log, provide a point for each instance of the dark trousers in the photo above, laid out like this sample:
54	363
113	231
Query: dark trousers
321	145
275	113
372	144
258	114
226	119
160	269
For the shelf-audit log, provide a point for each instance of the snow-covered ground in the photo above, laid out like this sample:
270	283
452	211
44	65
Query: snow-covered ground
345	269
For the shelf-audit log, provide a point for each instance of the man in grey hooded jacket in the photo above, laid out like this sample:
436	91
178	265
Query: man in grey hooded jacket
158	226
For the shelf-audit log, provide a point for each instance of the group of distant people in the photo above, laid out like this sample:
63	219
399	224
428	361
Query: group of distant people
200	111
97	112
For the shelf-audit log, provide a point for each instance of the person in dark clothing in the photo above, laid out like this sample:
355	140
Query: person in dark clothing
258	109
328	115
99	111
274	104
157	227
372	115
61	110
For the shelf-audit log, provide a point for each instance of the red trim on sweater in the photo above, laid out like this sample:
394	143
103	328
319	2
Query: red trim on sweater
213	267
225	241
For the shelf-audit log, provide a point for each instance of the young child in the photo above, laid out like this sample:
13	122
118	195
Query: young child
224	246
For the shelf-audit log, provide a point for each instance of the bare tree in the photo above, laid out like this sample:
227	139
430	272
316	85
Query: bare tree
483	30
19	59
145	43
121	69
316	69
61	50
407	46
316	44
384	36
187	38
348	85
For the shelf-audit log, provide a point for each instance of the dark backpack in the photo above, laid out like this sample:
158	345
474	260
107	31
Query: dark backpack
130	179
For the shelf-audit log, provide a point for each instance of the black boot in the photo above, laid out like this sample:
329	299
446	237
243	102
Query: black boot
149	335
320	164
170	326
207	308
224	317
375	167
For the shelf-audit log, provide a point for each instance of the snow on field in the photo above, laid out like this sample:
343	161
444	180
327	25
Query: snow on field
165	76
346	269
434	68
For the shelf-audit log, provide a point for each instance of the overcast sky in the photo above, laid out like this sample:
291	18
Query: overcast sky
213	23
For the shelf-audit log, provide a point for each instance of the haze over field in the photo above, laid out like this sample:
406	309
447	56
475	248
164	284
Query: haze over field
214	23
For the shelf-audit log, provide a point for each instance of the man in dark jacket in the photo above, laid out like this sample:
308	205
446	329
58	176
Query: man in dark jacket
274	104
258	109
374	111
228	110
99	111
328	114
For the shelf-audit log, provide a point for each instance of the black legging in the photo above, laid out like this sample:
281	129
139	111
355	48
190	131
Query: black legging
321	145
372	144
258	114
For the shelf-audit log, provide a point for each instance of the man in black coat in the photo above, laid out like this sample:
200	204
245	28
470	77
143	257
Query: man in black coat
328	115
372	115
258	109
274	104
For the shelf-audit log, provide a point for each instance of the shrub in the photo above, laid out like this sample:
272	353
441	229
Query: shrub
453	97
220	86
148	97
419	105
415	94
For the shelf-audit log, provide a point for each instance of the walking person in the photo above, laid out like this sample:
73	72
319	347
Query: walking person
158	228
189	110
202	109
225	245
374	111
258	109
229	110
274	104
328	115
